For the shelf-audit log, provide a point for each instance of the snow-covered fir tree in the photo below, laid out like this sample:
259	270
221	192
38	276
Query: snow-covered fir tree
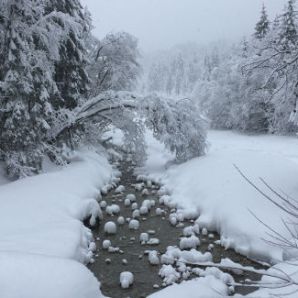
42	48
288	28
27	88
263	26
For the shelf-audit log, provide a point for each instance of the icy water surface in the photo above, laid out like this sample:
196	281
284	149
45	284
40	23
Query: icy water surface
108	266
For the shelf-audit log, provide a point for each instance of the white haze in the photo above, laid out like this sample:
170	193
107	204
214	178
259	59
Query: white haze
160	24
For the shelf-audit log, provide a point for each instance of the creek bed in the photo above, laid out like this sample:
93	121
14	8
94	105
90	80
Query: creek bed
146	278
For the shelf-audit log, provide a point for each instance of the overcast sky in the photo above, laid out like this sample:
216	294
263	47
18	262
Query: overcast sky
160	24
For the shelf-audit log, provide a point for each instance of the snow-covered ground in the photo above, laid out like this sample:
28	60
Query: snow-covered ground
43	242
223	199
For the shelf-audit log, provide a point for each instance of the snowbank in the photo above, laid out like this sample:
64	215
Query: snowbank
27	276
42	234
223	198
204	287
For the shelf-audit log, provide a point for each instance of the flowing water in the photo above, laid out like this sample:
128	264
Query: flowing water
131	257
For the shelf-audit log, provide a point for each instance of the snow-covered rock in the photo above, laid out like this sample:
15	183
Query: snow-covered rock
113	209
189	242
120	189
134	224
144	210
153	257
173	219
147	203
106	244
131	197
159	211
139	186
134	206
92	246
153	241
188	231
169	274
126	279
127	202
112	249
144	237
136	213
145	192
121	220
110	228
204	231
103	204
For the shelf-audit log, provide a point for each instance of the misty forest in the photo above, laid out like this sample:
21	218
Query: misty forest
158	173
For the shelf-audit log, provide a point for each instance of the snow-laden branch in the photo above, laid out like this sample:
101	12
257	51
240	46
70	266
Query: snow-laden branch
175	123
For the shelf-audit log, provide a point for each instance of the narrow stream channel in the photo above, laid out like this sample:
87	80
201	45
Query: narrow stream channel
131	257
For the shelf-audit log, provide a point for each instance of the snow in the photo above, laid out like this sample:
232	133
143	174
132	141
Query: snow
189	242
204	232
159	211
144	210
121	220
126	279
120	189
43	241
131	197
153	257
134	224
144	237
26	275
134	206
136	213
173	219
188	231
113	209
127	202
169	274
153	241
103	204
289	269
110	227
106	244
211	187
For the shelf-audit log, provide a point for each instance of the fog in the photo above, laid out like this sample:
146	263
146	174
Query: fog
160	24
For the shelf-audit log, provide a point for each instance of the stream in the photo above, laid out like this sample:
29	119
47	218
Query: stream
131	255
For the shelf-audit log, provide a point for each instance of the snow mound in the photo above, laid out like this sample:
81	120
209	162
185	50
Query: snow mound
110	228
126	279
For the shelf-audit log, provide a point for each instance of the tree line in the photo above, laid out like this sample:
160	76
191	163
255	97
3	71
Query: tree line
250	86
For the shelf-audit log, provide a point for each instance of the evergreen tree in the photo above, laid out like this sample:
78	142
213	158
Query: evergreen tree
288	28
70	70
263	26
26	88
42	77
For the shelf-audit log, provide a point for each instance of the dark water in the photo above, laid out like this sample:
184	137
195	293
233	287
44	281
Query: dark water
146	275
